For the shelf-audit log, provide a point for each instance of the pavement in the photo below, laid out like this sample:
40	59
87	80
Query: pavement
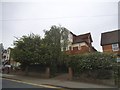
53	83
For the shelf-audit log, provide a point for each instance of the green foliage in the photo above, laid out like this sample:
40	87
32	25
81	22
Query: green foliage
32	49
52	40
28	50
64	38
117	75
98	63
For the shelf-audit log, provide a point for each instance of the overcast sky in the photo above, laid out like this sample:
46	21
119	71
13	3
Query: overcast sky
23	18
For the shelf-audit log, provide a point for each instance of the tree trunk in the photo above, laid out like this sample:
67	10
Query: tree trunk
70	73
26	70
47	72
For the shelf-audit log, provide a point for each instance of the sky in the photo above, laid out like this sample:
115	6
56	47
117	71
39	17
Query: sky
20	18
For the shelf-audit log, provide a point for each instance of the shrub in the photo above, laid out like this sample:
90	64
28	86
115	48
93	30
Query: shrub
99	64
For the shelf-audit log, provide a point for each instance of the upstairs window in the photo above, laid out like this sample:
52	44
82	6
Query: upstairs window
75	48
115	47
70	48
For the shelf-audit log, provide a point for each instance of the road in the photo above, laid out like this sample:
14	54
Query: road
9	83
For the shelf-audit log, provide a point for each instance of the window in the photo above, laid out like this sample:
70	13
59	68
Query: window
75	48
115	47
69	47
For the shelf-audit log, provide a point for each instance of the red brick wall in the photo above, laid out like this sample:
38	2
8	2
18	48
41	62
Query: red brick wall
108	48
84	49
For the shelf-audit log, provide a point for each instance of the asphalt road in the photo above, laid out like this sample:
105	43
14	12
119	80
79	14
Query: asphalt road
6	83
9	84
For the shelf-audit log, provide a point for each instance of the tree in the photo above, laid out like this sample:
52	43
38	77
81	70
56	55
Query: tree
32	49
56	38
52	40
28	50
64	38
53	44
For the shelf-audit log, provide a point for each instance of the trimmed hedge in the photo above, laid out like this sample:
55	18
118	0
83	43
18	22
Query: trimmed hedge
96	65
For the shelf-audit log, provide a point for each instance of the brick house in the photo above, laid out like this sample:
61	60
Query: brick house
79	44
110	41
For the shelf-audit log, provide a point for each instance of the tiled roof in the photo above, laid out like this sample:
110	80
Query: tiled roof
110	37
82	38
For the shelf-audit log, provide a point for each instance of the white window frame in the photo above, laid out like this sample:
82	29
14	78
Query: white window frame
115	47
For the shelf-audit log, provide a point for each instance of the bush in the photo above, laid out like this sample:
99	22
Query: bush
99	64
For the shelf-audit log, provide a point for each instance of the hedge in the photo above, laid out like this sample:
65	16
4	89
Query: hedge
97	63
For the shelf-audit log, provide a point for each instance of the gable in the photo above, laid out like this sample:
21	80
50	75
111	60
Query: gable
82	38
80	44
110	37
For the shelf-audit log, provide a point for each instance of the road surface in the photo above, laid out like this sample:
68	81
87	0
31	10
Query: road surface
6	83
9	84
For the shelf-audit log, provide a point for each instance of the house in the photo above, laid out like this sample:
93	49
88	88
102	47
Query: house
79	44
7	62
110	42
7	54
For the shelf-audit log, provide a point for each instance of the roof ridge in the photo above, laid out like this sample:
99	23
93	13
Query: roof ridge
111	31
84	34
110	37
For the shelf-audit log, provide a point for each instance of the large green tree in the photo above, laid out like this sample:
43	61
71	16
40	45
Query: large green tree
32	49
53	38
28	50
53	44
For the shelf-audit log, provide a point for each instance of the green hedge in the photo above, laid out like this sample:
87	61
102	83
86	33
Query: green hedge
97	65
